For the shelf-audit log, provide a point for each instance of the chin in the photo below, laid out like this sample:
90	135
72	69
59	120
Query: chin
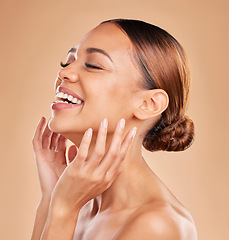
58	126
63	128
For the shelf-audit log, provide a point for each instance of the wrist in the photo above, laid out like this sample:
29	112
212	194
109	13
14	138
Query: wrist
60	224
62	211
60	207
45	198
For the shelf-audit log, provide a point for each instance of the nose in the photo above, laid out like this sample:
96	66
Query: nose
68	74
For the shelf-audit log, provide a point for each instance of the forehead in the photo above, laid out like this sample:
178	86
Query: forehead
108	37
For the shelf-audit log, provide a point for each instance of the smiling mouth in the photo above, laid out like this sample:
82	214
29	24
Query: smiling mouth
65	95
66	98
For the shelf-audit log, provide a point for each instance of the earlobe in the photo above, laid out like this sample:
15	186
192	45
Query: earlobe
154	103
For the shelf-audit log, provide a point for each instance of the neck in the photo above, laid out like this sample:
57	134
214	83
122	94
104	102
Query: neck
129	188
119	187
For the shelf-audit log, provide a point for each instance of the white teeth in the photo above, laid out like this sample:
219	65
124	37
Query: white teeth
60	94
70	98
74	100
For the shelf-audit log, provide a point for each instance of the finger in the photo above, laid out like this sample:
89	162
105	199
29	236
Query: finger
72	152
84	147
100	145
114	147
60	150
54	140
37	137
46	137
61	144
127	141
115	167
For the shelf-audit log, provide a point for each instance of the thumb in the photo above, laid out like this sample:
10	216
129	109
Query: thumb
72	152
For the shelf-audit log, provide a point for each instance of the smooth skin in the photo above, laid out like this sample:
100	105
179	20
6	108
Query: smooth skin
107	191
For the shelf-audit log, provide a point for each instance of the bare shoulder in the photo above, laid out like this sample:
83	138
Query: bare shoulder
160	223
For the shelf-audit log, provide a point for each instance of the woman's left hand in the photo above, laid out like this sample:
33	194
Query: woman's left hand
86	178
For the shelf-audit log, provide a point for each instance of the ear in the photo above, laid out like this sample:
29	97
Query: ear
152	104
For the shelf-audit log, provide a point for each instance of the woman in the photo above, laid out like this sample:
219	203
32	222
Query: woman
125	84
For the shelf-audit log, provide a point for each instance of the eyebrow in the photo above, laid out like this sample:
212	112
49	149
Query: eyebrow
98	50
93	50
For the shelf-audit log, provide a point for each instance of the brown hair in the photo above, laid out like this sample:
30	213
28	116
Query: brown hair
163	64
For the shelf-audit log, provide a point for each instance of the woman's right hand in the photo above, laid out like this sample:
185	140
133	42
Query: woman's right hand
88	176
49	150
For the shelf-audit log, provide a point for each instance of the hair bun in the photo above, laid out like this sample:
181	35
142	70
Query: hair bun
177	136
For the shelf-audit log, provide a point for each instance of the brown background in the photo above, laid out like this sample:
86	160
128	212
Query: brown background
35	36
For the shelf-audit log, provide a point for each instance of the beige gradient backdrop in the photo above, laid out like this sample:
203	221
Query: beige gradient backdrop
35	36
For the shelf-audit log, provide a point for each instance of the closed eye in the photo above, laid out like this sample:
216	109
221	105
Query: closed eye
88	65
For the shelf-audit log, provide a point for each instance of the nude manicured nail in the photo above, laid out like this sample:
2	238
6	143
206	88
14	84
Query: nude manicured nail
89	132
122	123
105	123
133	132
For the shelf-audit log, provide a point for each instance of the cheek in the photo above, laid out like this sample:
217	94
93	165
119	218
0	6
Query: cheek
117	99
108	96
112	94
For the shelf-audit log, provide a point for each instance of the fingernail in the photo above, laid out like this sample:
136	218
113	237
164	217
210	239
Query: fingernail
133	133
122	123
89	132
105	123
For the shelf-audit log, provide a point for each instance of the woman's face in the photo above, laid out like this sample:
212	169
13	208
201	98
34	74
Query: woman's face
102	73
